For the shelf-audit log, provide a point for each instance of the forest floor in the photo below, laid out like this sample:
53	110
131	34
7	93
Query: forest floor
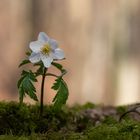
86	122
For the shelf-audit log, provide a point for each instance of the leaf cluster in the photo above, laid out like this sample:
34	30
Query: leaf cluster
25	85
61	87
28	78
62	93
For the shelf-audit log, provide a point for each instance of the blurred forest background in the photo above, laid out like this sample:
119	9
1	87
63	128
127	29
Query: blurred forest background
101	40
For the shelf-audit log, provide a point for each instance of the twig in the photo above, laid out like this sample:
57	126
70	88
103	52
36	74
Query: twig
129	111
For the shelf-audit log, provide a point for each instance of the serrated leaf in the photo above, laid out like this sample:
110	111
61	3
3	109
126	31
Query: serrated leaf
56	85
25	85
26	61
62	93
58	66
40	70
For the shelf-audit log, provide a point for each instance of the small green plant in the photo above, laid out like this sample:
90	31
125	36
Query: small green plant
44	53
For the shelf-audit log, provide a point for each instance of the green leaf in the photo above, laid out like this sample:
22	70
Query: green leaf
40	70
26	61
28	53
25	85
40	63
62	93
58	66
57	83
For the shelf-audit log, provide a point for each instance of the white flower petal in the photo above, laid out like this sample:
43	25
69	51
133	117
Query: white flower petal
53	43
43	37
34	57
58	54
46	60
35	46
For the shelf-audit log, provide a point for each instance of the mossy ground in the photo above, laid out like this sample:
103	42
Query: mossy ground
87	122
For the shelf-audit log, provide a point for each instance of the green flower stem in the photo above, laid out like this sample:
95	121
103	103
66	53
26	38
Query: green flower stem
42	91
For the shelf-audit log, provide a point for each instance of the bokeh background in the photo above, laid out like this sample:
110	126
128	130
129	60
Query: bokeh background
101	40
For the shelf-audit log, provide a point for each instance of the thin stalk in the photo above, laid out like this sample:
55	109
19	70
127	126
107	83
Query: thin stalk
42	92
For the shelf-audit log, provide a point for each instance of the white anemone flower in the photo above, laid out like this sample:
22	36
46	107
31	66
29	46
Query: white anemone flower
45	49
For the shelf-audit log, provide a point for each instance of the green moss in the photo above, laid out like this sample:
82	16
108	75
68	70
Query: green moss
123	131
109	120
23	123
121	109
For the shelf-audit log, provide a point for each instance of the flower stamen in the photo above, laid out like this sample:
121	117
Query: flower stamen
46	49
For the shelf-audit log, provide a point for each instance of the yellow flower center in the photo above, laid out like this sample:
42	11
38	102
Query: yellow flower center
46	49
